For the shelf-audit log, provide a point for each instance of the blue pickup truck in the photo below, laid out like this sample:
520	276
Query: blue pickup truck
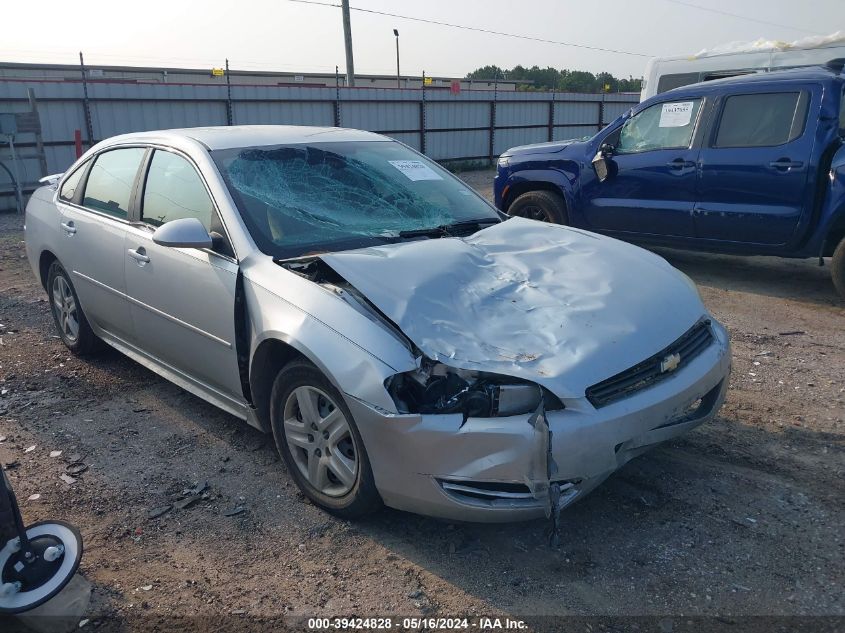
751	165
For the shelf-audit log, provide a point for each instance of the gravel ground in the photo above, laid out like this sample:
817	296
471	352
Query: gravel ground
742	517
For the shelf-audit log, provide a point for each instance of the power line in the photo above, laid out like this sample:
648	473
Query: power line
741	17
476	29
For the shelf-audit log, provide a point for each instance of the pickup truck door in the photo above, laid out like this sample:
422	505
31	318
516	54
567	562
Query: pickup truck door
94	205
182	300
653	188
754	166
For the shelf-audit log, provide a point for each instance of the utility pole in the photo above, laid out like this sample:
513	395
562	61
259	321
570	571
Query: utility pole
347	40
398	76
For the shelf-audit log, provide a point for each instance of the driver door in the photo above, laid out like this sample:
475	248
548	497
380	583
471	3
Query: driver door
653	189
182	300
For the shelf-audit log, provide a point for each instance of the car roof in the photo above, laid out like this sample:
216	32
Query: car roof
227	137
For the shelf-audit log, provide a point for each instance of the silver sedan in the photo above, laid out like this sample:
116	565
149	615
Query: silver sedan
404	344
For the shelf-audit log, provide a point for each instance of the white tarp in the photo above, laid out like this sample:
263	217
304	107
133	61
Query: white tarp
766	45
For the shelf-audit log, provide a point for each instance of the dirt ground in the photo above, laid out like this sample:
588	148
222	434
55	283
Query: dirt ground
741	517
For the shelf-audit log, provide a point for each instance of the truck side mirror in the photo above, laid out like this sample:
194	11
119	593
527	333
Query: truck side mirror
603	162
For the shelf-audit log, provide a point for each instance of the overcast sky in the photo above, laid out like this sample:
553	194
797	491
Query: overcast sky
285	35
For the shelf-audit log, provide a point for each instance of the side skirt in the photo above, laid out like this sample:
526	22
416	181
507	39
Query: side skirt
240	410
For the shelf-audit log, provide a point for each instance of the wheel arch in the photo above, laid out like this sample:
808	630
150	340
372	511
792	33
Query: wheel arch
272	353
834	234
45	260
539	180
270	356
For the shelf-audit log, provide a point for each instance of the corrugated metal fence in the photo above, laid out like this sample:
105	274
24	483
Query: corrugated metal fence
470	125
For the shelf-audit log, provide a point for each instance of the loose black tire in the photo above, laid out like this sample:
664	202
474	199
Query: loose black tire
546	206
85	342
363	498
837	268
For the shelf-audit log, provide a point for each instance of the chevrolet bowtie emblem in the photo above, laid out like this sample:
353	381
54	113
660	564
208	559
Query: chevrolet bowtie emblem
670	363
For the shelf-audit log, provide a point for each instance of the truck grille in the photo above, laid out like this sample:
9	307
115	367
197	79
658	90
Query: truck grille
653	369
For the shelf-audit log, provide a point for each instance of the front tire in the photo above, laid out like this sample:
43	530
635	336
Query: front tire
71	322
546	206
837	268
317	438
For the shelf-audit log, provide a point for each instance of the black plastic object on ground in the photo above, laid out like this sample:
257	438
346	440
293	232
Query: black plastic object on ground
35	562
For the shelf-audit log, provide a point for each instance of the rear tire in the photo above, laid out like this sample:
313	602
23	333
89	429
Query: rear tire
837	268
71	322
545	206
317	438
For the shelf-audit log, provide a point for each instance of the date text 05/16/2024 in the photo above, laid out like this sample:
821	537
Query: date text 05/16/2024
417	623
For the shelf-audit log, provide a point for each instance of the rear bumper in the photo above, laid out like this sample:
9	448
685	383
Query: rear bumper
486	469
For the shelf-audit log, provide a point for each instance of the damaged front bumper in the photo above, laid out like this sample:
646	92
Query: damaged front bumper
506	468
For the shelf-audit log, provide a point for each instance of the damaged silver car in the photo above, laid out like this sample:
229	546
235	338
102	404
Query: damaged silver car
404	344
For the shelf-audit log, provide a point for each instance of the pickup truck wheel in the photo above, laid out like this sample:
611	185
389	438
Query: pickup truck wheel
837	268
320	443
545	206
70	320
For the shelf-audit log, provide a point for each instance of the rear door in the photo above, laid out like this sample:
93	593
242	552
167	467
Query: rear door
94	204
182	300
653	190
754	166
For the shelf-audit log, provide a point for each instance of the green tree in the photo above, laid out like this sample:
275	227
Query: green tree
565	80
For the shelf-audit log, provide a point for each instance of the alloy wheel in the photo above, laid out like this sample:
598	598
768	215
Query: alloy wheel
64	307
320	440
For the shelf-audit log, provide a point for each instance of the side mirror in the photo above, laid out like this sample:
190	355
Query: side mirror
603	163
183	233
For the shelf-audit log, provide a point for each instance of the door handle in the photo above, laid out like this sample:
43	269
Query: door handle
784	164
680	163
139	255
69	228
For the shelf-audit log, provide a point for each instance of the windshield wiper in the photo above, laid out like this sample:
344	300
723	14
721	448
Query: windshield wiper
449	229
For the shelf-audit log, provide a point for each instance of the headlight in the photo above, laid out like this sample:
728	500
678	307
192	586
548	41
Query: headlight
503	161
438	389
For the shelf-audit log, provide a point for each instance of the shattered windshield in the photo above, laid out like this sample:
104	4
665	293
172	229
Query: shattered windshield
297	199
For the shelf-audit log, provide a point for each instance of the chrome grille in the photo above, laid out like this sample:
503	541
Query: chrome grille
650	371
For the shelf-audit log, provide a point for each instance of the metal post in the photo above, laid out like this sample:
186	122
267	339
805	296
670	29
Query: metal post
336	96
601	114
18	192
398	76
39	138
86	104
422	116
552	116
229	113
347	41
493	116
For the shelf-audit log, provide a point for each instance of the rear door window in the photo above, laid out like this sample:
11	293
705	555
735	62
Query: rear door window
762	120
110	182
666	125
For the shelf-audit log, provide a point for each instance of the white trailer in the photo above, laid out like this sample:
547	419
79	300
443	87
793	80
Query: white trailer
665	73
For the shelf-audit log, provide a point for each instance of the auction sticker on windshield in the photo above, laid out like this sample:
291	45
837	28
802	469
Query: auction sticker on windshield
676	114
416	170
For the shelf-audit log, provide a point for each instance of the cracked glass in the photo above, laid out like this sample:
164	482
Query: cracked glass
322	197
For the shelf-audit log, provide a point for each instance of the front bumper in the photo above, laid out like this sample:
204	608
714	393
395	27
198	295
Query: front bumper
486	469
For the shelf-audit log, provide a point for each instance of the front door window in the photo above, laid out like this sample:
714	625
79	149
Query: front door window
662	126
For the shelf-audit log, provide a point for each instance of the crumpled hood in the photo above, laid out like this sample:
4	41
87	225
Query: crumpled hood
558	306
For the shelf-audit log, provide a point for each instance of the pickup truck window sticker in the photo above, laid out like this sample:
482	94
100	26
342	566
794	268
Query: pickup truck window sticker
676	114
